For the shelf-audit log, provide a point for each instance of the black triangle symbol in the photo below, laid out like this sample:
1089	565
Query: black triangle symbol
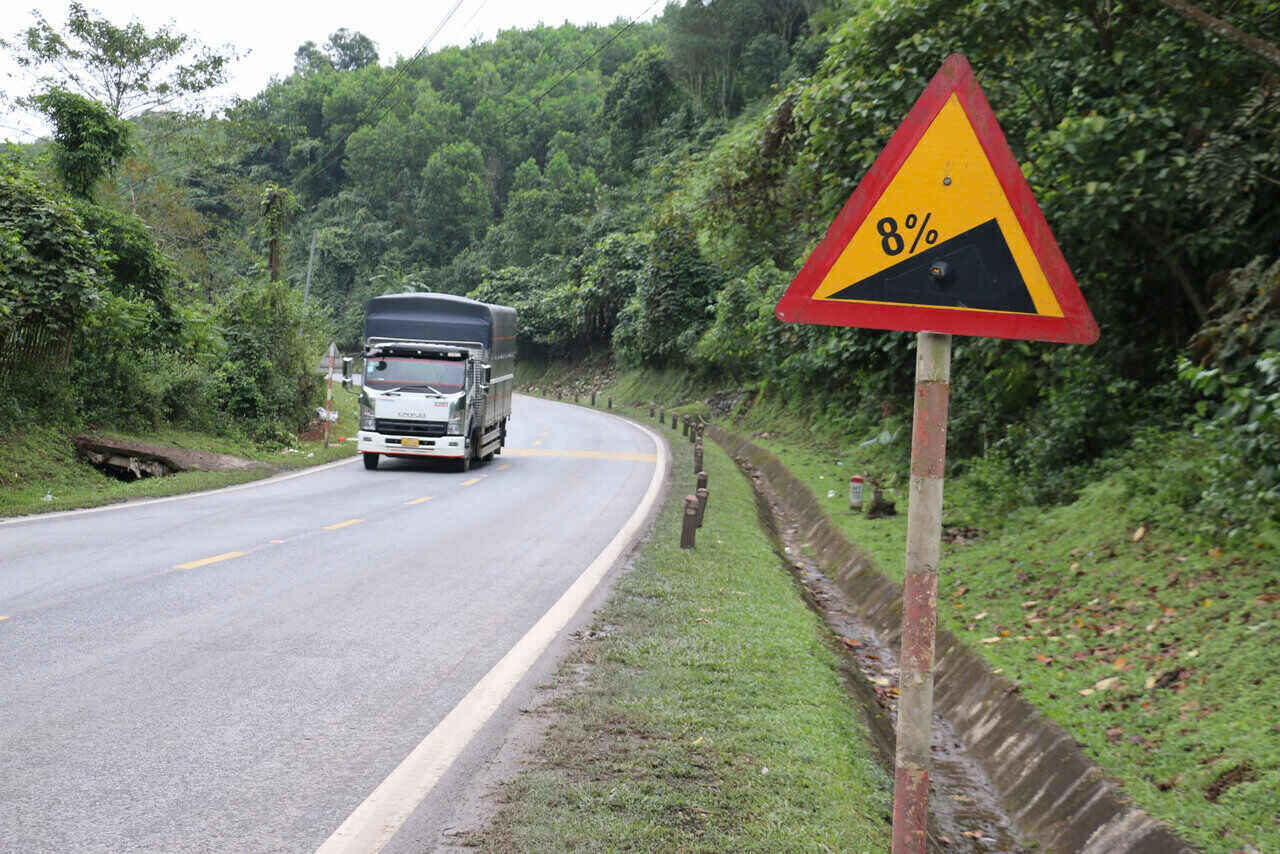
977	272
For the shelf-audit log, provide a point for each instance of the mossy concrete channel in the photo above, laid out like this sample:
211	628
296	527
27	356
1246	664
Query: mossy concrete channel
1032	788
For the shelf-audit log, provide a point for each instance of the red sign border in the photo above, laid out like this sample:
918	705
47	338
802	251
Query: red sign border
1076	326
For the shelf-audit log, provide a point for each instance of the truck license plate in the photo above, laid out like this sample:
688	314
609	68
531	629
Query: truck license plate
409	442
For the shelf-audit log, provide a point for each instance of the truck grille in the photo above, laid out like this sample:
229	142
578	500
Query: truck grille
397	427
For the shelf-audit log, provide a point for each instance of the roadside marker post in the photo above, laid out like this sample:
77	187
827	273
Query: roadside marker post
942	237
689	528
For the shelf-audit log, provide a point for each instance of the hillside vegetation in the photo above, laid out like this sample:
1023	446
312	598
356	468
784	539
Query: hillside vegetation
648	189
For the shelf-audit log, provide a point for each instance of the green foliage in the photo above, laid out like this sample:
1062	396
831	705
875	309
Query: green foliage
134	264
351	51
109	368
641	94
267	377
383	160
452	203
728	51
89	142
1244	320
125	68
665	318
737	343
544	212
1239	415
50	269
277	205
656	198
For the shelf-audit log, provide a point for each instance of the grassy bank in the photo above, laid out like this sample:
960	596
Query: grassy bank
1157	650
703	712
40	472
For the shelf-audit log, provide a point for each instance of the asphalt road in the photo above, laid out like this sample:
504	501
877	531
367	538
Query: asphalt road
239	670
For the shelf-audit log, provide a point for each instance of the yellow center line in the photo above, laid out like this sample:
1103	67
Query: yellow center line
3	617
504	466
471	482
420	500
537	442
338	525
208	560
591	455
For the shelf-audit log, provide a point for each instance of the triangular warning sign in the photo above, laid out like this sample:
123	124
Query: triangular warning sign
943	235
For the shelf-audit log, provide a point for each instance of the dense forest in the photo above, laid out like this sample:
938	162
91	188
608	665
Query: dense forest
644	191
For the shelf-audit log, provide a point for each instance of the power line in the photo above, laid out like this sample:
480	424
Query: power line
538	99
474	14
401	71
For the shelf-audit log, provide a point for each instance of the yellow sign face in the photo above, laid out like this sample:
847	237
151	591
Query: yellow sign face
944	209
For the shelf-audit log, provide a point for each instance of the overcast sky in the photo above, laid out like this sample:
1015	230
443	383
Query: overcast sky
266	34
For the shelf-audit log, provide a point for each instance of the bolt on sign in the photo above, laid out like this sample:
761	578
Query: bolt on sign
942	237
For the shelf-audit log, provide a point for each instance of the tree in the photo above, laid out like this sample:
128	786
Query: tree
351	51
453	203
277	206
126	68
309	58
641	96
1258	47
89	142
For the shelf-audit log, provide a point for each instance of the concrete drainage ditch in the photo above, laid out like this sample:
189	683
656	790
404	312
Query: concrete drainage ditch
1005	778
964	810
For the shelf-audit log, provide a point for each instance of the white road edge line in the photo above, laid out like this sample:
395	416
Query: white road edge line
147	502
381	815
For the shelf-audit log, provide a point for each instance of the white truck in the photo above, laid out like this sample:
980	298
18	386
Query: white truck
437	380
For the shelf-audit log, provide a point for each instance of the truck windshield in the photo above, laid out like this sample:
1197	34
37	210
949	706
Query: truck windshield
414	374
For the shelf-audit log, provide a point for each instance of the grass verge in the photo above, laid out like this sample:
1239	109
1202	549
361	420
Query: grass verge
40	473
1159	655
1159	652
704	711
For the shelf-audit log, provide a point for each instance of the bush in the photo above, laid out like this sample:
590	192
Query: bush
1238	417
50	269
268	378
186	391
106	370
738	341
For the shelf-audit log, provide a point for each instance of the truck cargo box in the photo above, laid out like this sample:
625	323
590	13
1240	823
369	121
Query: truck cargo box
443	317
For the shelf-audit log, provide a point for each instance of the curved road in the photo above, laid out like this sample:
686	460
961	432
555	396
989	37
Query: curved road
240	670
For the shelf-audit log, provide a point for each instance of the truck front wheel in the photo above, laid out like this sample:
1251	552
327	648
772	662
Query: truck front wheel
370	461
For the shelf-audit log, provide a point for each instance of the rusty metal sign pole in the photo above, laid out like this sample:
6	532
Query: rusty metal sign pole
920	594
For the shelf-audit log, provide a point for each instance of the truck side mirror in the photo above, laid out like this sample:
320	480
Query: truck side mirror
485	372
346	372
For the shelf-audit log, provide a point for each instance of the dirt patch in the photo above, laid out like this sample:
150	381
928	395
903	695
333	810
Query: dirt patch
131	460
1243	773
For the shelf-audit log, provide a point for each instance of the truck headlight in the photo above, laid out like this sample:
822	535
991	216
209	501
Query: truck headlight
456	415
367	421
